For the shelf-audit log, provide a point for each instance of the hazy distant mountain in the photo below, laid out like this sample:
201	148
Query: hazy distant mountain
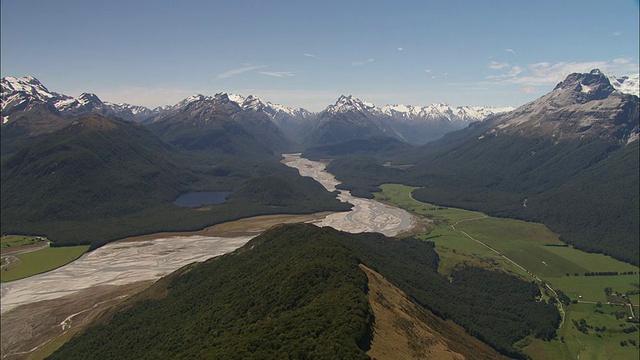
626	84
219	125
292	121
350	118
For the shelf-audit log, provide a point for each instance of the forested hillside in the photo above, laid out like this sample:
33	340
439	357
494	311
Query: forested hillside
100	179
297	292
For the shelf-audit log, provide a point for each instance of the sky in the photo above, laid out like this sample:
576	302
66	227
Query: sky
303	53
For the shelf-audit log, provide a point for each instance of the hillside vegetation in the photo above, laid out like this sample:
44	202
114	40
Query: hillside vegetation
100	179
586	191
297	291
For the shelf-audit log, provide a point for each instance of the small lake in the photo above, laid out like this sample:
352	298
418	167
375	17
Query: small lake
195	199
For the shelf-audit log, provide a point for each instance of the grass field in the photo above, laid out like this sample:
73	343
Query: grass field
526	244
10	242
400	195
42	261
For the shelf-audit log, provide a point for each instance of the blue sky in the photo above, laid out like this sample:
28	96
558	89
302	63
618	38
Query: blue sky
307	53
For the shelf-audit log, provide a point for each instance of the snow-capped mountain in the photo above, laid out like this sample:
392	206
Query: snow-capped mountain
581	106
275	111
350	103
436	112
219	124
26	86
351	117
21	94
626	84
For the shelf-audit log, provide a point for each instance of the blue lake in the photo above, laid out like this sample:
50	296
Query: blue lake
195	199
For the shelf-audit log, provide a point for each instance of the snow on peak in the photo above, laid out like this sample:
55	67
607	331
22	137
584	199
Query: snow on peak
192	99
348	103
28	85
238	99
255	103
629	84
440	111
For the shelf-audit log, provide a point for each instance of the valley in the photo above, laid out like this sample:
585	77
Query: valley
138	260
531	251
546	182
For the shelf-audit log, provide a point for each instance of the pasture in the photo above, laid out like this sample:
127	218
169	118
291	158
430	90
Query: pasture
11	242
527	244
400	195
40	261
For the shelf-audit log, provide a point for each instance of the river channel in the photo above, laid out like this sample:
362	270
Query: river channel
127	262
120	263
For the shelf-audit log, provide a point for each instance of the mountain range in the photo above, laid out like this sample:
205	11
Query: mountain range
568	159
348	118
78	166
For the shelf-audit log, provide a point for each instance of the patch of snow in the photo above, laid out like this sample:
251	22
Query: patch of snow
628	84
585	89
238	99
5	119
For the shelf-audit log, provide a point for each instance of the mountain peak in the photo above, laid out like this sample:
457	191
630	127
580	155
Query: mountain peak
584	105
89	98
27	84
584	87
347	103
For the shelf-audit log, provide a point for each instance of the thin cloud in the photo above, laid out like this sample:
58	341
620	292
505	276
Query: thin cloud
309	55
622	61
543	73
546	73
497	66
276	73
358	63
230	73
617	33
527	90
400	49
513	72
511	51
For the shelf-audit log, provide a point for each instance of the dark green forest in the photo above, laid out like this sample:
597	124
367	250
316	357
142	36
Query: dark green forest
586	191
296	291
100	179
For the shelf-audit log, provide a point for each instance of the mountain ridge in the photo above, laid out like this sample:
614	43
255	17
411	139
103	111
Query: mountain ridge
20	94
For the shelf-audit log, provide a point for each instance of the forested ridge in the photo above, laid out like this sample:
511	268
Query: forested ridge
297	292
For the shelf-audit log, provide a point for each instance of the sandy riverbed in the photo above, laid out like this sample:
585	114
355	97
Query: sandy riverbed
366	215
120	265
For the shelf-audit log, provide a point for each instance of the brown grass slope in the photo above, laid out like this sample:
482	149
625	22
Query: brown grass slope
405	330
